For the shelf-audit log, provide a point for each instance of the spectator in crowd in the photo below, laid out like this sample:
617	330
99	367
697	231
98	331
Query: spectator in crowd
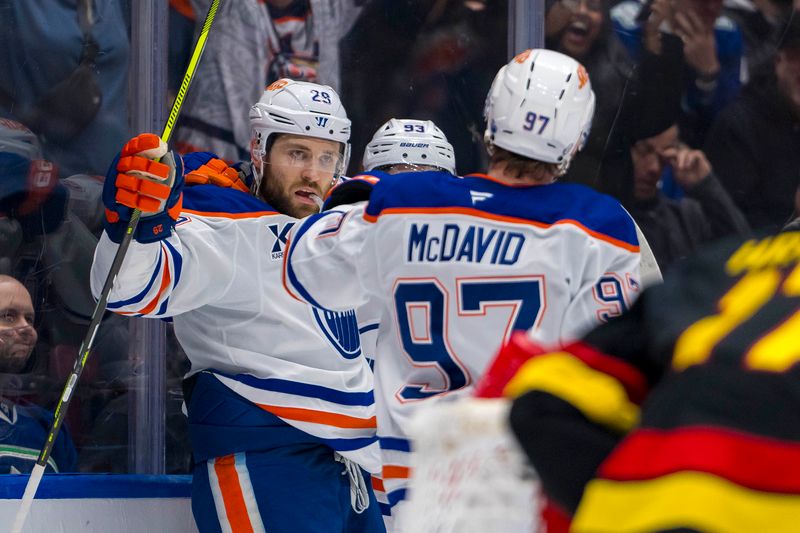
181	21
676	228
444	55
635	99
45	244
760	22
64	68
23	425
712	50
753	144
253	43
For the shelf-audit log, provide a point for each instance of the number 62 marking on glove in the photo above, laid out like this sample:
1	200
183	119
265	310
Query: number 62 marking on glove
530	122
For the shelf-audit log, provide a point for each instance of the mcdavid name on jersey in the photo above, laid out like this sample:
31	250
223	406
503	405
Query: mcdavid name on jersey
462	243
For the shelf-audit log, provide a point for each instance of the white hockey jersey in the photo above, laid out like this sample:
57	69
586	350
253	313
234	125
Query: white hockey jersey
218	275
457	264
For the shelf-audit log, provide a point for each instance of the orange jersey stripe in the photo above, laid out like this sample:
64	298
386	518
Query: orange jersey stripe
377	484
164	284
219	214
320	417
232	497
396	472
283	271
499	218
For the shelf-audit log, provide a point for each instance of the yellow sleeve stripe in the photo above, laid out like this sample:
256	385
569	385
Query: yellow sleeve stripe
600	397
693	500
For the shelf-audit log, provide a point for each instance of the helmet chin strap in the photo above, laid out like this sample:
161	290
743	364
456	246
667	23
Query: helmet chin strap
258	176
564	166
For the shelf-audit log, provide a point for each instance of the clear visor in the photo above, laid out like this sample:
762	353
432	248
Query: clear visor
325	162
406	167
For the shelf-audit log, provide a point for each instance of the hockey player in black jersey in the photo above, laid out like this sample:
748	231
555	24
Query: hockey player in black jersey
684	413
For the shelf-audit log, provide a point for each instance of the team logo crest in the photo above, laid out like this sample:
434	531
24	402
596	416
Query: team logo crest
479	196
341	329
281	233
583	77
522	56
278	84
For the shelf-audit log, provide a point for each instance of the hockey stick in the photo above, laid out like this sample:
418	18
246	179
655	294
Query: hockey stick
97	314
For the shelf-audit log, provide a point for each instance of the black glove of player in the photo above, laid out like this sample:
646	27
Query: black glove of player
354	190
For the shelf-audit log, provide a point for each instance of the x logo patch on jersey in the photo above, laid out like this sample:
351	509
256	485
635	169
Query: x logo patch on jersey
280	233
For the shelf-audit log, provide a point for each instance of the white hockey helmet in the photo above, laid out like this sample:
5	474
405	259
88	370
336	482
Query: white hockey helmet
540	106
299	108
410	142
18	139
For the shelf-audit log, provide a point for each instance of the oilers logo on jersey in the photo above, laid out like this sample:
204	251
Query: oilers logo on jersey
341	329
281	232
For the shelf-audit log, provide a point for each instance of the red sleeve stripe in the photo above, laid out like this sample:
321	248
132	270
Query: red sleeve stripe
631	378
758	463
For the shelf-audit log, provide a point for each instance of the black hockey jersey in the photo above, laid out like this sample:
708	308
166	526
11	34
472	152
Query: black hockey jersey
702	379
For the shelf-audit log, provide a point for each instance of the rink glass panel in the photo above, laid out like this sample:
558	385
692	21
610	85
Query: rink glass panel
418	59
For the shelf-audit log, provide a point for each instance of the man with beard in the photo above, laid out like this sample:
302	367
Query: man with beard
23	425
279	397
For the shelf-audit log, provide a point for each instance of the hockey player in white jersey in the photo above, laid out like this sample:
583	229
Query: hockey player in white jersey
459	263
279	398
408	145
399	145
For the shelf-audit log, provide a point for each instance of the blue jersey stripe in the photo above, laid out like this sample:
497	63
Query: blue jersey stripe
396	496
299	232
139	297
394	443
349	445
163	308
360	399
368	327
177	262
